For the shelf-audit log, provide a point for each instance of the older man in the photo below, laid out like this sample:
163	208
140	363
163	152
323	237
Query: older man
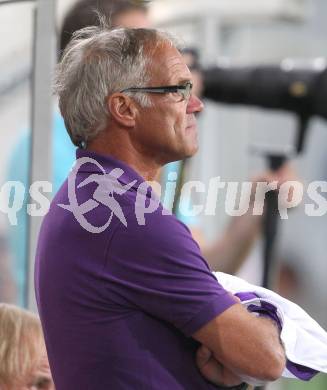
125	299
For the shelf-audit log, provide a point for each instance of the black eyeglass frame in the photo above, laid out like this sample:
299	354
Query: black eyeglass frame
185	90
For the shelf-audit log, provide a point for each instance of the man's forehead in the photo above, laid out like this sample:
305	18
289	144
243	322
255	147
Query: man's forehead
170	65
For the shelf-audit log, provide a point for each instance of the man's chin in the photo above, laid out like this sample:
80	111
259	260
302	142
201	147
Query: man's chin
192	151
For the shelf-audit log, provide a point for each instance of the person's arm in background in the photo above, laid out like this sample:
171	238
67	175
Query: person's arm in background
227	252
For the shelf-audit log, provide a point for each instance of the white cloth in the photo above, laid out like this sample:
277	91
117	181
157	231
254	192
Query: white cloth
305	341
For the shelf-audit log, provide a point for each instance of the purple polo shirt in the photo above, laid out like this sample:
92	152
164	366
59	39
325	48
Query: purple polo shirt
118	306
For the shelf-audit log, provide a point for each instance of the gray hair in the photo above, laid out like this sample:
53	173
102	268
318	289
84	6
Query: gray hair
96	63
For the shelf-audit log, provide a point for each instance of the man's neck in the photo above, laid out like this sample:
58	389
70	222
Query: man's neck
145	167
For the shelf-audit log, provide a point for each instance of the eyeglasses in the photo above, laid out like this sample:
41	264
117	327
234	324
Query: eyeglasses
184	91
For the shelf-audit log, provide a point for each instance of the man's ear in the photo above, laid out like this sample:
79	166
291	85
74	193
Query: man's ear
122	109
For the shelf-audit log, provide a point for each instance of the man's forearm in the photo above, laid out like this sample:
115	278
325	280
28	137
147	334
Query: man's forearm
261	354
277	357
246	345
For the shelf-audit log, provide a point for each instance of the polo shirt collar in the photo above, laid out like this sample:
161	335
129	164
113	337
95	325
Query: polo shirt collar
108	163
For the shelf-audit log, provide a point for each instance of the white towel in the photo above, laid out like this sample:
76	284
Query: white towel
305	341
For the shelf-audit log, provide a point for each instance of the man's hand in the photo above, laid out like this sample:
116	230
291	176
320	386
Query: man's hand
286	173
213	371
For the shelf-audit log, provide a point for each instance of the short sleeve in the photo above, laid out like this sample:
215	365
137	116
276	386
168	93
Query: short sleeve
158	268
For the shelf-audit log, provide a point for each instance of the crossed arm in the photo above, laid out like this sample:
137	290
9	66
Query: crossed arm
236	344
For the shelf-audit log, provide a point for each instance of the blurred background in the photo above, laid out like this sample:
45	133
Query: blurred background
233	139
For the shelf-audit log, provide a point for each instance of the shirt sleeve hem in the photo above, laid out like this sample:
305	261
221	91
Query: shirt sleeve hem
211	310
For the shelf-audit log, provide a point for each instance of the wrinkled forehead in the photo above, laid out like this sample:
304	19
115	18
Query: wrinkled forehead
167	66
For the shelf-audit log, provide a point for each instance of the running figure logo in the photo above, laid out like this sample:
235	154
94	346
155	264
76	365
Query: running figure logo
108	185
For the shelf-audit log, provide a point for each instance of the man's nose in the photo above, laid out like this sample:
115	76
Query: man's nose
194	105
